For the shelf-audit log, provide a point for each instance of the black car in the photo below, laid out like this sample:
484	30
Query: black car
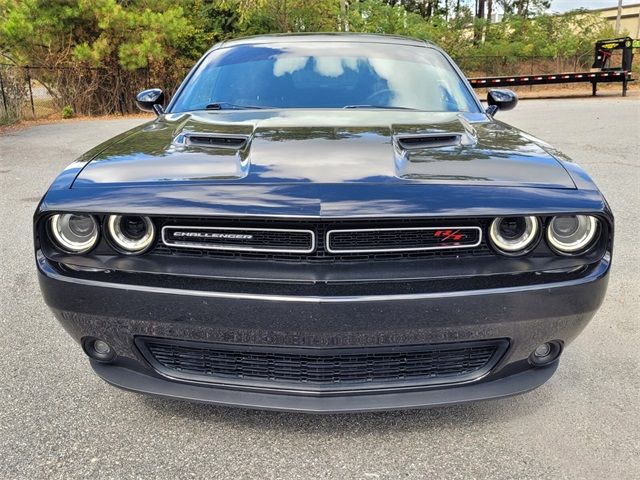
324	223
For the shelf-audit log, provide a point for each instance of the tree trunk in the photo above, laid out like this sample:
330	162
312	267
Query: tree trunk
429	10
480	4
479	27
523	8
344	21
618	16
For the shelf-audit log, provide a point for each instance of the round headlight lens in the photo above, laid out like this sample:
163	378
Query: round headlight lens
513	235
131	233
572	233
74	233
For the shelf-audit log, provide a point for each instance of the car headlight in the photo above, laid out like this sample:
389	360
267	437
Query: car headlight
74	233
131	233
571	233
513	235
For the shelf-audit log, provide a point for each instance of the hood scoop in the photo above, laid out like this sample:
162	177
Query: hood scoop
286	147
235	142
434	140
476	155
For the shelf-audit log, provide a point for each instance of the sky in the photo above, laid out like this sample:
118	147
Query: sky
565	5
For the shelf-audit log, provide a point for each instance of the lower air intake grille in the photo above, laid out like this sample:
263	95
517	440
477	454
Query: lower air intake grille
322	369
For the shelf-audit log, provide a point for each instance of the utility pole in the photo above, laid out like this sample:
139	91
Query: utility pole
618	17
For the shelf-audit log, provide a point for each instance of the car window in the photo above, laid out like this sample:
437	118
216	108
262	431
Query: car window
326	75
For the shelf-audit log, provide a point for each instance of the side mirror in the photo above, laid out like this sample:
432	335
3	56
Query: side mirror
501	100
151	100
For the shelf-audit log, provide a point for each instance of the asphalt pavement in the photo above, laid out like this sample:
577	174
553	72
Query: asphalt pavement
58	420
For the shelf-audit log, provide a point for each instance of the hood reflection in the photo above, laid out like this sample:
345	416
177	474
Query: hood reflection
326	147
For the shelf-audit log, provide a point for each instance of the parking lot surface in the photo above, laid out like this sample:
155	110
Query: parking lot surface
58	420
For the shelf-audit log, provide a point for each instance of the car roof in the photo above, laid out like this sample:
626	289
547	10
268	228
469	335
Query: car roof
327	37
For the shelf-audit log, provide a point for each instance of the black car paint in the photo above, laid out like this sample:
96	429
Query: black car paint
325	146
153	175
325	164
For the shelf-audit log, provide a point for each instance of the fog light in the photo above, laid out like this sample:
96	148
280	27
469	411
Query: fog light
542	350
545	353
99	350
101	347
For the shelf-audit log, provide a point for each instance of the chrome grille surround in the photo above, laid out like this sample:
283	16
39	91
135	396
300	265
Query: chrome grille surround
440	246
238	242
410	229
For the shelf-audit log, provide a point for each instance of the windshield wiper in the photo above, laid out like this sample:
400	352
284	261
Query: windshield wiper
386	107
230	106
234	106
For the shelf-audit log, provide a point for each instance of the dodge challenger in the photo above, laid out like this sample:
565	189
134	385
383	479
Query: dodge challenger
324	223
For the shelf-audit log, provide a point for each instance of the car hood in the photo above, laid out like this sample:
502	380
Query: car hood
262	147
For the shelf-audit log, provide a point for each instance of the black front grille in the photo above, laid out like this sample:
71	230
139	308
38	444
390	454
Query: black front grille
320	227
398	239
239	239
323	369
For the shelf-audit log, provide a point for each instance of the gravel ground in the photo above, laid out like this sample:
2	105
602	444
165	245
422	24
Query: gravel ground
58	420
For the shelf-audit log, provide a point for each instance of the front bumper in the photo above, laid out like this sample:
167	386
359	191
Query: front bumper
527	316
522	382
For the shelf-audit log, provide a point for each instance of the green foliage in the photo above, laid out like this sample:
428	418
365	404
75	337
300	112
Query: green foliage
211	22
523	8
132	34
143	33
67	112
545	35
273	16
103	44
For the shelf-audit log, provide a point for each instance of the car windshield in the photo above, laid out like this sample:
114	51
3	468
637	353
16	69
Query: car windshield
325	75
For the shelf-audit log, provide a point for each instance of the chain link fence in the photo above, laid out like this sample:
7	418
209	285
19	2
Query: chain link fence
39	92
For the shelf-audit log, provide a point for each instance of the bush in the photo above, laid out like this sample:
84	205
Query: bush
97	55
67	112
